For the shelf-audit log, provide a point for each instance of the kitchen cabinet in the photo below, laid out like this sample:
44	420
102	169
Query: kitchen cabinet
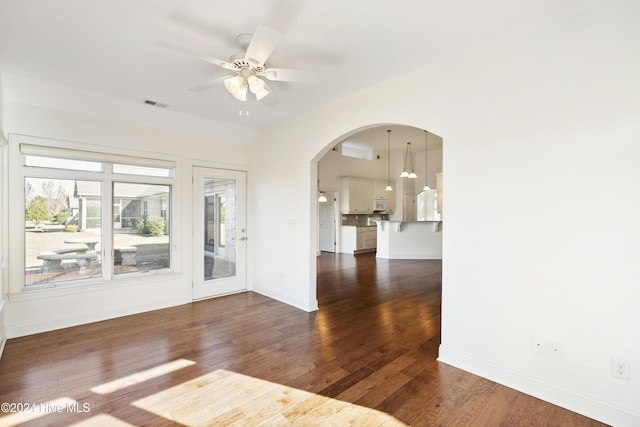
389	197
357	196
367	238
379	191
359	239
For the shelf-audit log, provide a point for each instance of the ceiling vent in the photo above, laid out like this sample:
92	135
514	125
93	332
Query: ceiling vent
155	104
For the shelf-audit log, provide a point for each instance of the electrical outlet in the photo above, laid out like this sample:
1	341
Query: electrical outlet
555	350
620	369
538	346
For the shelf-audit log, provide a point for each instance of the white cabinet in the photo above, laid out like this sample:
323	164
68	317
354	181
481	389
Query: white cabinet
379	191
357	196
367	238
389	197
359	239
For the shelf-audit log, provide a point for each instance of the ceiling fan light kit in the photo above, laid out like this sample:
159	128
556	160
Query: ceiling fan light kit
236	86
257	87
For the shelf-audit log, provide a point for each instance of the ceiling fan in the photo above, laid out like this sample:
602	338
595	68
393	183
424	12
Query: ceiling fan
249	70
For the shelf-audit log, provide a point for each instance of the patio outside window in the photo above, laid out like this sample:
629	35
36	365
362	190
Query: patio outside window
66	237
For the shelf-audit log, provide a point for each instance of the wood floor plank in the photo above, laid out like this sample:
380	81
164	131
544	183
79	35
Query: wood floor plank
367	357
369	392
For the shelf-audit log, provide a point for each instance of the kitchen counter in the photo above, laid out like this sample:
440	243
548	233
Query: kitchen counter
409	239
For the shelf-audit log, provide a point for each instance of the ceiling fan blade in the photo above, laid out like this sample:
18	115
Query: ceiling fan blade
197	55
206	86
263	42
288	75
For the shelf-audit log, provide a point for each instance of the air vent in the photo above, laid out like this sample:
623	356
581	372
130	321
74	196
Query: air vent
155	104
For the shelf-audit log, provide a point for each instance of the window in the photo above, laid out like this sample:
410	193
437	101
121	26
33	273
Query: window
142	170
141	236
68	194
357	150
52	162
62	231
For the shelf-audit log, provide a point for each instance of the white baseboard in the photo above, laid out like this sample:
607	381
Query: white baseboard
606	412
411	256
302	305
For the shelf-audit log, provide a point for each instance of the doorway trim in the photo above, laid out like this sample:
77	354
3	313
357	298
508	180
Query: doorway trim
330	215
201	286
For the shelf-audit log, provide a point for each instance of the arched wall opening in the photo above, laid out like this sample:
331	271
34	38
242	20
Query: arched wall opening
386	144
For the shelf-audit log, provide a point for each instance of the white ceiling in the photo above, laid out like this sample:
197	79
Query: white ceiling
109	46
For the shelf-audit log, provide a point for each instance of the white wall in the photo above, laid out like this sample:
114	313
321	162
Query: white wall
3	332
3	229
540	170
1	107
3	226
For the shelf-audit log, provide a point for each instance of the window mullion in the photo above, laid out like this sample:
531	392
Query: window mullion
107	224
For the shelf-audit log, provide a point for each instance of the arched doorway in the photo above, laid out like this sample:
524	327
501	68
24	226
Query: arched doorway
377	154
370	160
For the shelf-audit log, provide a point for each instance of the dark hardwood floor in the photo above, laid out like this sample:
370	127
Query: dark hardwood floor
367	357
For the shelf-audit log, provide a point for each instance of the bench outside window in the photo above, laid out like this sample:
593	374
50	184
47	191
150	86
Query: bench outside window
125	255
52	261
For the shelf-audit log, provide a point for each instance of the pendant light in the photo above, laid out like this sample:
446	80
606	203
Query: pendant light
408	170
388	160
426	160
405	171
323	197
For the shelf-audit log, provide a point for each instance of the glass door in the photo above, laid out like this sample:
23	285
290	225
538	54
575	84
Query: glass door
117	214
219	222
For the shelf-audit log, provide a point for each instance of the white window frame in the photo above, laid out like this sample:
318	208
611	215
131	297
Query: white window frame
20	146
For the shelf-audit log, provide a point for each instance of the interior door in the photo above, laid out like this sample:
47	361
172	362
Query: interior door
327	219
219	232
